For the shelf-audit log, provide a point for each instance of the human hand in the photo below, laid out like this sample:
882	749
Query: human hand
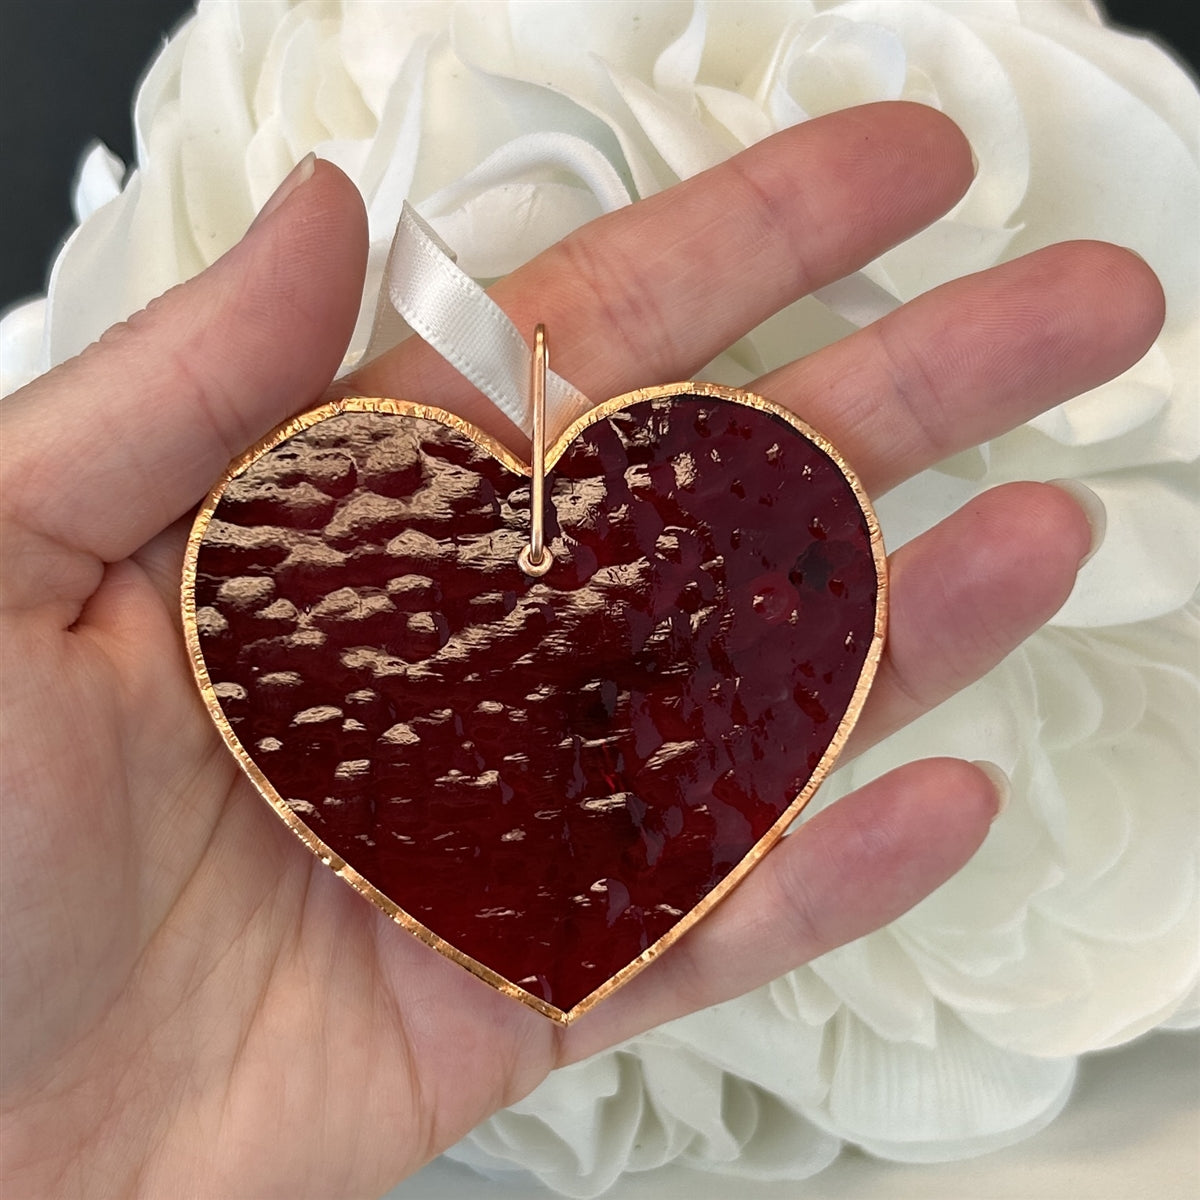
193	1004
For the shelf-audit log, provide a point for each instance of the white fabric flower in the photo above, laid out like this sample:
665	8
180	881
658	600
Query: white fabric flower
956	1029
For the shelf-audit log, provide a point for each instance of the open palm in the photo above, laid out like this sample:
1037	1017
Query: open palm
192	1003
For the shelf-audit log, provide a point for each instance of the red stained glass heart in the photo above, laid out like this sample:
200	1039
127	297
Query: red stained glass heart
548	779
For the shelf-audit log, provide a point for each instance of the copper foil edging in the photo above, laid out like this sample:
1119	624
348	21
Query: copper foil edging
406	408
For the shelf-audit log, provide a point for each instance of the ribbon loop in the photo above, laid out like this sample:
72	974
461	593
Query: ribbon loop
450	311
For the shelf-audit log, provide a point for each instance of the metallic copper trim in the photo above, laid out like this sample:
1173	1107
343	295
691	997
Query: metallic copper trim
535	559
503	455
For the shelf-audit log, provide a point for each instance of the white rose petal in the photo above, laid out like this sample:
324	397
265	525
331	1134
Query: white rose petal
97	181
1086	149
1149	564
21	331
967	1097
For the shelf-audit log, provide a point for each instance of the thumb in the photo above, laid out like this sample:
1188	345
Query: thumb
143	422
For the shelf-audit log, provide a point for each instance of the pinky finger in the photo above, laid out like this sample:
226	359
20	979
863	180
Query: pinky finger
854	867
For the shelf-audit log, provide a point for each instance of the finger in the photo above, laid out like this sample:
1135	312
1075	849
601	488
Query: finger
975	358
965	594
650	293
854	867
148	418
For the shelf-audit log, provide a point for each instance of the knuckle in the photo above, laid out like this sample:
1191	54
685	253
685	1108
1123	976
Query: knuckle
916	390
799	905
632	313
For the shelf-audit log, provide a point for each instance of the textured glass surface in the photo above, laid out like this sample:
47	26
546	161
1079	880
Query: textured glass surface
547	773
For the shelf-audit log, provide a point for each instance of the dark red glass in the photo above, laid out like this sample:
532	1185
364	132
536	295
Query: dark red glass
548	773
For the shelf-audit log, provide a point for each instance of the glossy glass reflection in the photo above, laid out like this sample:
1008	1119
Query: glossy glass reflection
547	773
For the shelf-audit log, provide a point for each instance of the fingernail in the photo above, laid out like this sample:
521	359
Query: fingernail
1093	510
999	780
299	174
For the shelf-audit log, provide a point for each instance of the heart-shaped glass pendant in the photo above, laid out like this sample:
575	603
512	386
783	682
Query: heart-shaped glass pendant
547	777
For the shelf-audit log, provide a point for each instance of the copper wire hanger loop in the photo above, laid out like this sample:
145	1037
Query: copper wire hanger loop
535	558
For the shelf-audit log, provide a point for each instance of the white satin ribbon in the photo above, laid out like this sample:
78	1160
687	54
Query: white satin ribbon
450	311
